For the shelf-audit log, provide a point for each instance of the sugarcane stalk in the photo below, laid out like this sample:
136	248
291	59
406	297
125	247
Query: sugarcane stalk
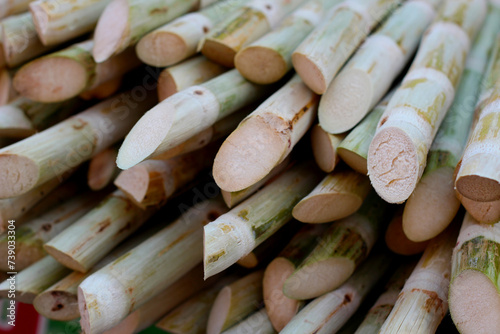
103	90
474	289
279	307
20	40
433	204
102	169
243	27
233	198
247	225
257	323
384	304
7	92
186	114
423	302
31	235
178	40
186	74
397	241
337	196
328	313
109	295
23	117
398	152
367	77
33	280
58	21
265	137
339	251
321	55
234	302
85	242
51	153
324	147
124	22
483	212
11	7
76	72
269	58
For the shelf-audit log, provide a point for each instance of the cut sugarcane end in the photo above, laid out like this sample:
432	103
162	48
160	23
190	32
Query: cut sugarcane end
431	207
12	167
309	73
134	183
248	261
220	309
167	84
354	160
51	79
476	302
52	303
397	241
325	208
65	259
218	52
346	101
393	165
261	65
158	48
478	188
324	154
110	29
321	277
248	155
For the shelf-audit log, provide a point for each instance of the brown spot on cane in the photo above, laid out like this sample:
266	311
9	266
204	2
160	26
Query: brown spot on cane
382	122
103	225
160	11
46	227
198	92
205	29
80	125
57	307
243	214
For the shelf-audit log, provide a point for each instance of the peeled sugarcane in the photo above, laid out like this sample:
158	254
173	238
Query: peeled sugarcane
85	242
367	77
279	307
233	198
152	182
20	39
11	7
237	233
31	235
234	302
397	241
178	40
321	55
66	73
58	21
339	251
244	26
257	323
474	291
124	22
102	169
23	117
191	72
379	312
324	147
354	148
269	58
186	114
265	137
398	152
328	313
191	317
106	297
423	302
337	196
433	204
50	153
33	280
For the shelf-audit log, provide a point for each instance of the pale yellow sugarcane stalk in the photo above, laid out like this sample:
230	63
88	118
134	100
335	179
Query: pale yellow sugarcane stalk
56	150
178	40
106	297
257	323
247	225
324	147
11	7
367	77
265	137
66	73
33	280
244	26
398	152
337	196
191	72
474	291
269	58
423	302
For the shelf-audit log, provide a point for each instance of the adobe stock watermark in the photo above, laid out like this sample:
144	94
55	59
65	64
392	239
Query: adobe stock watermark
11	264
